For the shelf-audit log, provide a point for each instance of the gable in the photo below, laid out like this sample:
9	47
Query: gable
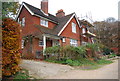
37	12
67	32
77	22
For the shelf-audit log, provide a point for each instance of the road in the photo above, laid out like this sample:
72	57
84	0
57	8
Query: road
57	71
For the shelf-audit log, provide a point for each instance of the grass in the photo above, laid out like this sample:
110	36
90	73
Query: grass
22	74
84	64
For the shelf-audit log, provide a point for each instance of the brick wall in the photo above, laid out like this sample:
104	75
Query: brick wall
67	32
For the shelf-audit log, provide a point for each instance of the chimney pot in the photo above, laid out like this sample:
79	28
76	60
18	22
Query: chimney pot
60	13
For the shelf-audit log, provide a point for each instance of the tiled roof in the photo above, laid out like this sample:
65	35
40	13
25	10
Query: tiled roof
60	21
38	11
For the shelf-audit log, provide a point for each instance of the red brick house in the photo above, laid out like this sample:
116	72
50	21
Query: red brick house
40	29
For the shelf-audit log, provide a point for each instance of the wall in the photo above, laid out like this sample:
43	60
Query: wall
36	20
67	32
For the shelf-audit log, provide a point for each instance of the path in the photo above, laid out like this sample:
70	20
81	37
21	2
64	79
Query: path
57	71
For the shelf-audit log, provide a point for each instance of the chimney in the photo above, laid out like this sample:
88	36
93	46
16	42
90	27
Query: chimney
44	6
60	13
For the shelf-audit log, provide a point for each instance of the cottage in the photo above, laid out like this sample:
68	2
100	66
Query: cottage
40	29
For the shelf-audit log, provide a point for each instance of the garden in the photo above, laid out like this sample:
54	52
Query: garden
93	55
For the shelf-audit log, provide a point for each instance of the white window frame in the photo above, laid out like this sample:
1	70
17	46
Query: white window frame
84	43
44	22
63	39
73	27
73	42
83	30
40	43
18	20
23	21
22	43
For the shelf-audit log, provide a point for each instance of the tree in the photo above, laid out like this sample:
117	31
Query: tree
10	47
107	32
9	9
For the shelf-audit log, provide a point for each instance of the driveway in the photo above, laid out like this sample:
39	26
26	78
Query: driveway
57	71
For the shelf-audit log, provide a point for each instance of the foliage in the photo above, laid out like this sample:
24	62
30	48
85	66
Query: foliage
106	51
112	55
103	61
10	47
9	9
22	74
107	32
67	52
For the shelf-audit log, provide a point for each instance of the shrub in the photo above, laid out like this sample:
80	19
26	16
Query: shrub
10	47
106	51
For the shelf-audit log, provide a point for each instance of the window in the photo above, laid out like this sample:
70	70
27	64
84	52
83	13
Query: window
63	39
41	43
73	42
22	45
23	21
73	27
44	22
18	20
83	30
84	43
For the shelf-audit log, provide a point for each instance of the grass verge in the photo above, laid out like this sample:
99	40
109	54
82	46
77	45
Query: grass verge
84	64
22	75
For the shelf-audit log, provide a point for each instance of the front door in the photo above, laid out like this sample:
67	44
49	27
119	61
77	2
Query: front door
55	43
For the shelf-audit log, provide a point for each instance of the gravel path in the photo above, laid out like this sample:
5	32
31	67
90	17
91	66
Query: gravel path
57	71
40	69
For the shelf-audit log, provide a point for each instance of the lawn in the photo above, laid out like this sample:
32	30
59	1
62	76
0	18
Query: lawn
84	64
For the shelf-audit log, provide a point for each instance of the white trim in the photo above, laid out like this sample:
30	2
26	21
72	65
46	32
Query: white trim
44	42
68	22
45	18
77	20
21	10
66	25
43	12
32	13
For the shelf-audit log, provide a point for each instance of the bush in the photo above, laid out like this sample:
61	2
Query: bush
112	55
10	47
67	52
107	51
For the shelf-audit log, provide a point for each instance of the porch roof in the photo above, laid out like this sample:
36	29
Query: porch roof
89	34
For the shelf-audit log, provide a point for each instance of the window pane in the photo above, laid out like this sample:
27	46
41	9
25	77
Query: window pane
44	22
22	45
73	27
41	43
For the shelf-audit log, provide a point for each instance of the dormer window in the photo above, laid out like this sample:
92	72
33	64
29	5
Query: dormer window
73	27
44	22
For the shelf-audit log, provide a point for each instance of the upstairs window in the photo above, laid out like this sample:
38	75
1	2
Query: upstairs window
23	21
18	20
73	27
44	22
73	42
83	30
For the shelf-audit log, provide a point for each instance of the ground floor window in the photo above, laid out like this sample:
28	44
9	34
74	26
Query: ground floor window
84	43
41	43
22	45
73	42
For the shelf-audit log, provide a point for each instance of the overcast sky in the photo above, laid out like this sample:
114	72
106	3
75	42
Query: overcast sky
97	10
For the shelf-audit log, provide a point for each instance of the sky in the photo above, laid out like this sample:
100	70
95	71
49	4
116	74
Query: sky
92	10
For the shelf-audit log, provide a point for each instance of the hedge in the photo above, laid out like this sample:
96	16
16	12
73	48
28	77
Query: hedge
10	47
